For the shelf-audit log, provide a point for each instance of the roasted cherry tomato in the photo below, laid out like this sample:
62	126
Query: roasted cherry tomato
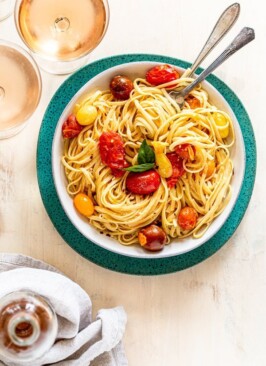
113	153
83	204
221	122
193	102
165	168
152	238
86	115
187	218
178	169
162	74
71	127
121	87
209	168
185	151
144	182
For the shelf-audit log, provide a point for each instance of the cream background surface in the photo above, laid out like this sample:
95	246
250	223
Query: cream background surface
214	313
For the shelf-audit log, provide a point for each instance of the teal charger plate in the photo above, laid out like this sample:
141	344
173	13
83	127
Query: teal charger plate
101	256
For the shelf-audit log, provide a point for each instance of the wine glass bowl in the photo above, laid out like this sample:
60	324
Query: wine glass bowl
61	34
20	88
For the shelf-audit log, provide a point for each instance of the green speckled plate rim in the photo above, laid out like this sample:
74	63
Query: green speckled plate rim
93	252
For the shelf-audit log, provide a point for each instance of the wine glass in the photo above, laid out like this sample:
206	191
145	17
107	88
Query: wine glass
20	88
62	33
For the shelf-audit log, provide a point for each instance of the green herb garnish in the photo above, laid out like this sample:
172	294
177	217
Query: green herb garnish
146	159
146	154
140	168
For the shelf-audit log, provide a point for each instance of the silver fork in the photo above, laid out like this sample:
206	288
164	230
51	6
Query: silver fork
244	37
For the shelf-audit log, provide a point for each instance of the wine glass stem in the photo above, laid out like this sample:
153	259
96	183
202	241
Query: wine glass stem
62	24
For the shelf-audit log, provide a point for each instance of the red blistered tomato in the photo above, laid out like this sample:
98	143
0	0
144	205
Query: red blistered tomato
162	74
71	128
121	87
182	150
118	173
187	218
144	182
113	153
178	169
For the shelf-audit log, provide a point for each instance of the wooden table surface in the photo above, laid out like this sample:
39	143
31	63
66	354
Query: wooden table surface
214	313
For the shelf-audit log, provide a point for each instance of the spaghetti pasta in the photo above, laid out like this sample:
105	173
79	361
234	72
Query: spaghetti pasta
150	113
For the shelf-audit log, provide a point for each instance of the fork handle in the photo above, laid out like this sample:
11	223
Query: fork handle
224	23
244	37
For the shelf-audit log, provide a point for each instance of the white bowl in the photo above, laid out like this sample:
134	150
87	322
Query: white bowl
177	246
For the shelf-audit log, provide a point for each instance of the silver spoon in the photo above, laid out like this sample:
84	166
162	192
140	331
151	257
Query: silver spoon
224	23
244	37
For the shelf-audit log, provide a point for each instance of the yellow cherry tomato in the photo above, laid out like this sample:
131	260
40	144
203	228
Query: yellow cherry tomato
165	168
158	147
86	115
222	124
83	204
80	103
209	168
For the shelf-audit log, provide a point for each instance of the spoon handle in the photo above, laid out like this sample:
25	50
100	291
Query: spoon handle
244	37
224	23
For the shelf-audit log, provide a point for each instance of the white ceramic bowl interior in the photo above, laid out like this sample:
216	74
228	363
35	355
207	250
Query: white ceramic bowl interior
177	246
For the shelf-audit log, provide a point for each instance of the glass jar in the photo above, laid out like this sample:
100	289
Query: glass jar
28	327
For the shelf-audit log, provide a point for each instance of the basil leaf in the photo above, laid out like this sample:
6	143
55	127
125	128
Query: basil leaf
146	159
146	154
140	168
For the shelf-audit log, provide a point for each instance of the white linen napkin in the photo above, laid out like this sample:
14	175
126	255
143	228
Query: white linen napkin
82	342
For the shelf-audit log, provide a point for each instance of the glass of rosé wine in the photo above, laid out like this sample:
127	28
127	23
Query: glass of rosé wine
20	88
62	33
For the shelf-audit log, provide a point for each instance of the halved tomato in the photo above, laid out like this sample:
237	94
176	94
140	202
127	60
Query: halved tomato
113	153
178	169
71	128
